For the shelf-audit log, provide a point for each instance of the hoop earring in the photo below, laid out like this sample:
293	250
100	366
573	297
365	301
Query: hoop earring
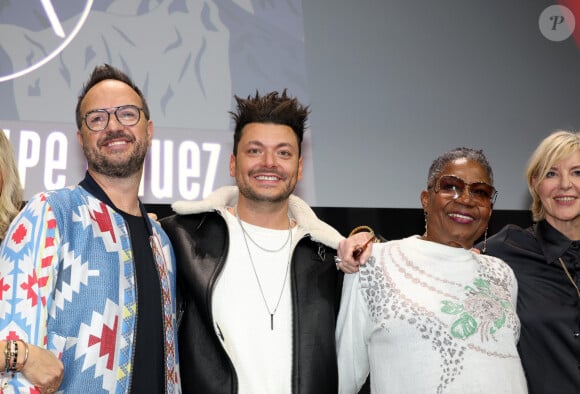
484	249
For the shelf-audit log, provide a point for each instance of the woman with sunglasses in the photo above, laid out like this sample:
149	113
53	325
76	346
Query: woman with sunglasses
546	261
426	314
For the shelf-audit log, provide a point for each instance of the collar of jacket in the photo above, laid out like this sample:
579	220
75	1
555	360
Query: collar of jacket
227	196
90	185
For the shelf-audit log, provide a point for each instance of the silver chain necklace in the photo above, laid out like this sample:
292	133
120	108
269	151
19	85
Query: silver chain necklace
245	236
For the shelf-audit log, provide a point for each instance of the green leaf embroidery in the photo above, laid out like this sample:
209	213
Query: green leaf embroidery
451	308
498	323
505	304
464	327
481	283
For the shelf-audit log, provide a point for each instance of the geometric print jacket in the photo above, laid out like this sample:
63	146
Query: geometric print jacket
67	283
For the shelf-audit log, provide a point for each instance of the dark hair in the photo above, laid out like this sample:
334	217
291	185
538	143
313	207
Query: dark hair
458	153
275	108
102	73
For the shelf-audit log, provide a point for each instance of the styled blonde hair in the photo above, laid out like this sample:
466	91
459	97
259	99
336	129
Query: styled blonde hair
555	147
11	195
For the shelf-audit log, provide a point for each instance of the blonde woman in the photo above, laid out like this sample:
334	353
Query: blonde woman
546	261
10	187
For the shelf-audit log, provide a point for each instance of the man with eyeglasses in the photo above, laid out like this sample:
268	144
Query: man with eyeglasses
89	275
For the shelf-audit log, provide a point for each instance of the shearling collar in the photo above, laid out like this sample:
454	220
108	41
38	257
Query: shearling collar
227	196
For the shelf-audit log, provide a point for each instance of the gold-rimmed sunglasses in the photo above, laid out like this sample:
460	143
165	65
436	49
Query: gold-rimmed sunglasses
452	186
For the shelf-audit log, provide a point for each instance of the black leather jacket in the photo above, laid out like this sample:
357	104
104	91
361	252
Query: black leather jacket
201	244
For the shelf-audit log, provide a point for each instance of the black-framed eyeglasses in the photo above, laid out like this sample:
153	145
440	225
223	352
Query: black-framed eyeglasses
452	186
127	115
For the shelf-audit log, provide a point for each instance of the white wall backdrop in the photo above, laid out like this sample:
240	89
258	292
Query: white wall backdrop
395	83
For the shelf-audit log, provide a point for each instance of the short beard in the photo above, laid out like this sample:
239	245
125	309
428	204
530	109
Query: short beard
104	166
249	194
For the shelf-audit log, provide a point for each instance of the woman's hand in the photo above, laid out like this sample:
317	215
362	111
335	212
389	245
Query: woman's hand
345	260
43	369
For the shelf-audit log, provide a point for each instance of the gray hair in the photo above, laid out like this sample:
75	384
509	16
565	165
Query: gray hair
454	154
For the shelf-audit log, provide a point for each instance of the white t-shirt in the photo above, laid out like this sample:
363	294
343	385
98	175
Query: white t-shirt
262	356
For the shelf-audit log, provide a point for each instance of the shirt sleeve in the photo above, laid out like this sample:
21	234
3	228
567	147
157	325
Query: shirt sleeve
28	266
351	341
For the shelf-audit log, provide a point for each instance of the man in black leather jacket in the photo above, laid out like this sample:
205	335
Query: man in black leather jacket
258	286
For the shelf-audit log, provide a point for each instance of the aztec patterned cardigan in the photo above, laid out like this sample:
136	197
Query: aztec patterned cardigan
67	283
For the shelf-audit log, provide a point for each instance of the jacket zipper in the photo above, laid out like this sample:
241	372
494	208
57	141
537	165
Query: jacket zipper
136	309
153	247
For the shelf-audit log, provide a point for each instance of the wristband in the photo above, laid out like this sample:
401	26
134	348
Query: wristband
7	355
14	356
25	355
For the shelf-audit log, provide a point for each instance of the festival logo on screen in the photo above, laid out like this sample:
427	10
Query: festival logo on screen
189	57
61	21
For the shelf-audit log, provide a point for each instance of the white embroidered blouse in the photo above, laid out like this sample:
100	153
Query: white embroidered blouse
423	317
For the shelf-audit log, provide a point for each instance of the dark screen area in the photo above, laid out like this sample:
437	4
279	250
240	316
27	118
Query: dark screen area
390	223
